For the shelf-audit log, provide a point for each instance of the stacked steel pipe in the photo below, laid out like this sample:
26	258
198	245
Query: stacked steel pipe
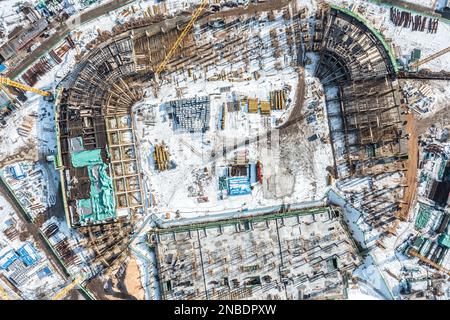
417	23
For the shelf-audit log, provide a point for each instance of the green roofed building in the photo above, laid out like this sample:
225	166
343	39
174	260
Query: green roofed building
100	205
97	161
423	216
415	55
444	240
86	158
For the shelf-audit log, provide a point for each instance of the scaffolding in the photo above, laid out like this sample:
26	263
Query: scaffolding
275	255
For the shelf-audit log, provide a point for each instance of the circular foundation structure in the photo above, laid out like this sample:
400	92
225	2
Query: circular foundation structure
100	167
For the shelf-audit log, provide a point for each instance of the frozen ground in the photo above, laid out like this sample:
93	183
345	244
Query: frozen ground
9	18
405	38
13	235
39	144
14	144
424	3
371	279
361	293
427	96
291	174
308	161
192	152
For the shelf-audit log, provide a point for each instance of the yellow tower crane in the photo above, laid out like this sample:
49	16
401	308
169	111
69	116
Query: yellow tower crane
180	38
5	90
3	294
435	55
428	261
61	294
15	84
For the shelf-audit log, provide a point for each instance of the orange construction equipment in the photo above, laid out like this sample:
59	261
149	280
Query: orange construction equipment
253	105
265	107
277	99
161	157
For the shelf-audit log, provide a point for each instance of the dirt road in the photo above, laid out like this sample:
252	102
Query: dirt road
409	196
133	280
441	117
295	116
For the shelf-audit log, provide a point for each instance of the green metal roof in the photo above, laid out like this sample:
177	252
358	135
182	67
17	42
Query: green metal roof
416	54
418	243
86	158
444	240
102	193
423	216
101	199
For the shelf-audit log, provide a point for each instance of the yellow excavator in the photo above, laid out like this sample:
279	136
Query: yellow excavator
15	84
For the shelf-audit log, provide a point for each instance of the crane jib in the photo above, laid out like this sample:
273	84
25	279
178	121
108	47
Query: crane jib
15	84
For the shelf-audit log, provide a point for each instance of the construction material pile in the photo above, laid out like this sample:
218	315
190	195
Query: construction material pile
417	23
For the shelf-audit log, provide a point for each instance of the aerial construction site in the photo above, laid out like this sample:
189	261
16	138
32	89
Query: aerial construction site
206	149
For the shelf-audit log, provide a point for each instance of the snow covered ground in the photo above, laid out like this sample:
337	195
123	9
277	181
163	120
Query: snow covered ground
9	18
308	162
424	3
27	149
426	96
405	38
11	141
192	152
41	279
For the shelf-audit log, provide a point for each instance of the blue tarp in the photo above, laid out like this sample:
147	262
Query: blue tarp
17	172
239	186
2	67
28	254
7	259
44	272
252	173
